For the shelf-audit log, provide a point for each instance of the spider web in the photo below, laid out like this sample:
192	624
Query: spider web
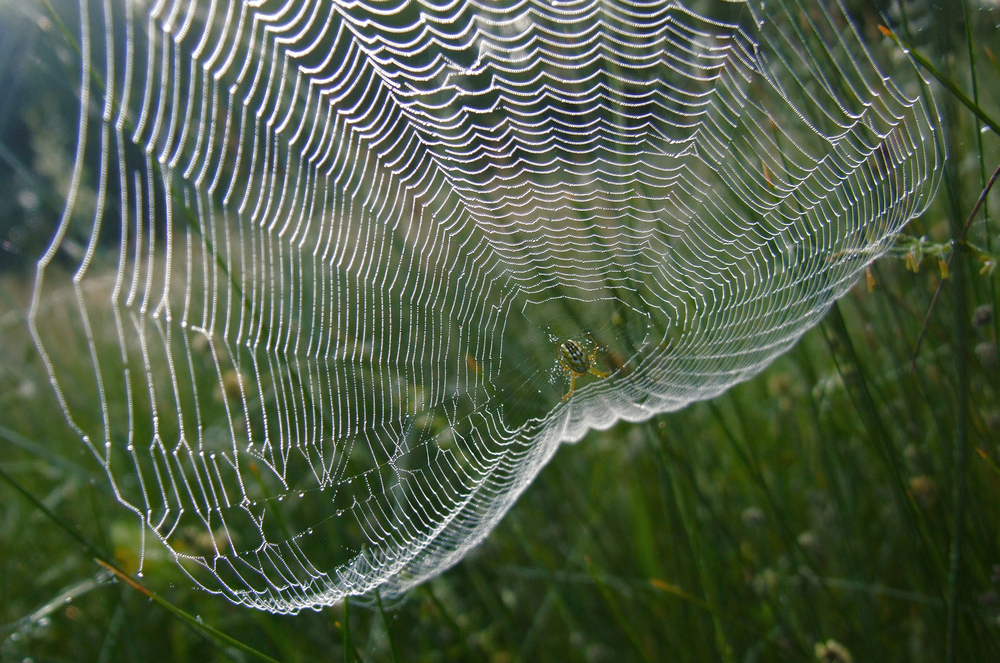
333	248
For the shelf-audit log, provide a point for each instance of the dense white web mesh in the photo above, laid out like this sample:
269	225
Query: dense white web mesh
335	246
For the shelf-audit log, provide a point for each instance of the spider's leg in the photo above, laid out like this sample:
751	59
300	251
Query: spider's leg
572	387
592	369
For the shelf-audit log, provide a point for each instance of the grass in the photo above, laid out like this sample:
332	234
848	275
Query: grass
837	496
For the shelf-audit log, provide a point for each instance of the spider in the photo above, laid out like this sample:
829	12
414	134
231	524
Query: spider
577	363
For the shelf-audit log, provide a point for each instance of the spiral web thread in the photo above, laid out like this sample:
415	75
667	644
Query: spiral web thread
335	246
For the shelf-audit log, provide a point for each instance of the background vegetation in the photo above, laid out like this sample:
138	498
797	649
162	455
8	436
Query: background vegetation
839	496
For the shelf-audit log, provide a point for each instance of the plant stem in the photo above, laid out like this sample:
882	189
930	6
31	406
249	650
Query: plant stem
958	240
385	624
922	60
101	559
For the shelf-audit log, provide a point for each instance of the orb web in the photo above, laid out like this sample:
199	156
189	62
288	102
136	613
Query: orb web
334	247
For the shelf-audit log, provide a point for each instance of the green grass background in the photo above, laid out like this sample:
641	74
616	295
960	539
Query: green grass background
837	496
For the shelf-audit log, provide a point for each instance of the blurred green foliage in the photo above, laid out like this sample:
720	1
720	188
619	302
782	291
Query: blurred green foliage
836	507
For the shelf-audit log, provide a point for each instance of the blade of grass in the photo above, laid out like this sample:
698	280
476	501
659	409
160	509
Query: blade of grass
989	461
110	642
851	372
487	592
669	588
970	41
538	623
955	243
750	463
456	630
959	284
959	450
542	569
697	547
215	636
42	453
347	629
196	623
774	506
616	611
385	624
348	645
922	60
672	468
